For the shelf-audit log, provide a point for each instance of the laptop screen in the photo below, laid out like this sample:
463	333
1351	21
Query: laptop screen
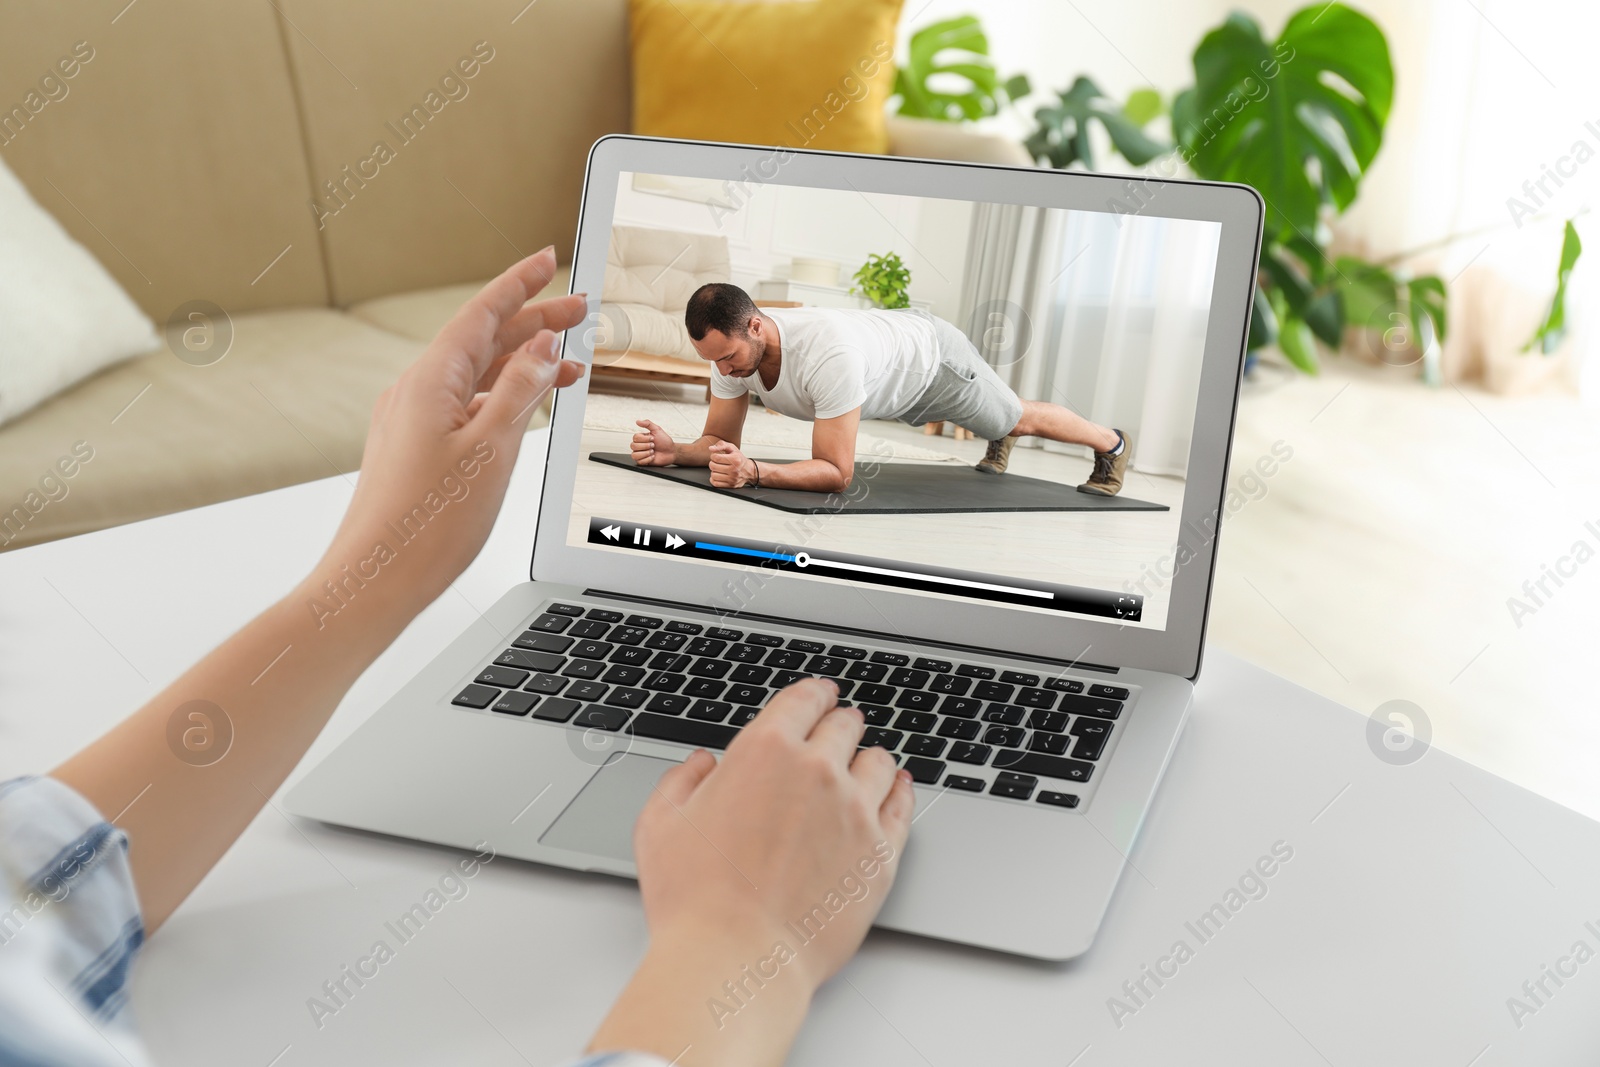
966	400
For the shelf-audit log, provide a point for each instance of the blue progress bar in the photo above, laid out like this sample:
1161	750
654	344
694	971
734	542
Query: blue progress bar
744	551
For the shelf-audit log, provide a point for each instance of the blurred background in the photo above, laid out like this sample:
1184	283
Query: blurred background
224	228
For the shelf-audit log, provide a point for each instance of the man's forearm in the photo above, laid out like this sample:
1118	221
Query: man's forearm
696	453
813	475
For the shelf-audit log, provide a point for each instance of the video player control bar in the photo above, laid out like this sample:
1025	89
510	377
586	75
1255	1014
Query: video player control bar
616	533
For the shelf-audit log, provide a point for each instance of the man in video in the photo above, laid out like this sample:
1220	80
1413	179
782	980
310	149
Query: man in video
835	367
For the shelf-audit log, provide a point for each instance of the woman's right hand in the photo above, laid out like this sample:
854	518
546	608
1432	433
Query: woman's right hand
760	875
652	446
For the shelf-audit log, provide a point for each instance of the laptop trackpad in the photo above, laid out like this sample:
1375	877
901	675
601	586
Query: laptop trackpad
600	819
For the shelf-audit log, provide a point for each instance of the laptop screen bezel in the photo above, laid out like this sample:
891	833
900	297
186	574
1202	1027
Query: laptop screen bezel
876	609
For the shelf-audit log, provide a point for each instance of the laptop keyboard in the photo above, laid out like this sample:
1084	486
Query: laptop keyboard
960	725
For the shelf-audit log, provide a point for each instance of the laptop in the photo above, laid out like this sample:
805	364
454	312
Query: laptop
1026	650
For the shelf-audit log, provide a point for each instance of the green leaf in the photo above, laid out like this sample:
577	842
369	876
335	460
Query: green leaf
1296	342
1553	329
1017	86
1325	316
1300	118
1428	295
1062	136
953	51
1143	106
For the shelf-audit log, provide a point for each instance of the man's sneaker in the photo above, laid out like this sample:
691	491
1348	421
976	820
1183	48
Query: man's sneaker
1108	469
997	456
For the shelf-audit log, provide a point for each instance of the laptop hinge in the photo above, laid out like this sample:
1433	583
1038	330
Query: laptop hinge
750	616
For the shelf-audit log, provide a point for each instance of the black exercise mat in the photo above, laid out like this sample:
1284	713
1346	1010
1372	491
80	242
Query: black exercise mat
912	488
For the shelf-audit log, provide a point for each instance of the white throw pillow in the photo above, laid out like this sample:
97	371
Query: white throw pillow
62	316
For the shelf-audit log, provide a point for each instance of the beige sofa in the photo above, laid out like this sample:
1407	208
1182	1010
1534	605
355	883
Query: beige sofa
225	153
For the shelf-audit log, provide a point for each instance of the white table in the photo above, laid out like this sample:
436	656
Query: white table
1419	897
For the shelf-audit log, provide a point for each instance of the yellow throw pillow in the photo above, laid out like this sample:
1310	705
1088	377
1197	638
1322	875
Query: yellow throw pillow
797	73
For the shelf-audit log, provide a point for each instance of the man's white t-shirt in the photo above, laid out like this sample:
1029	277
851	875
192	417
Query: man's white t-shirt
836	360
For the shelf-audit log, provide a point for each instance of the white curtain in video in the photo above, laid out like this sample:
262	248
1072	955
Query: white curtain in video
1105	314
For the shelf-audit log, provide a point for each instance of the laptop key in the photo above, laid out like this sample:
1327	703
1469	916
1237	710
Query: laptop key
956	781
923	745
1064	685
671	642
528	661
665	681
961	707
920	722
591	650
565	609
785	659
556	709
710	668
515	703
972	670
892	659
588	628
751	674
866	672
603	615
877	737
687	628
847	652
1004	736
783	679
722	633
746	694
916	700
1091	727
874	694
1015	786
960	729
686	731
1037	698
1045	766
827	666
710	710
743	715
950	683
600	717
765	640
1004	714
1054	721
876	714
476	696
669	703
845	685
583	668
623	697
1019	678
937	666
908	679
1089	747
993	691
546	684
926	771
550	624
1115	692
705	646
539	642
628	635
745	653
632	656
709	688
1060	800
1099	707
669	661
1045	741
621	674
504	677
586	691
646	621
969	752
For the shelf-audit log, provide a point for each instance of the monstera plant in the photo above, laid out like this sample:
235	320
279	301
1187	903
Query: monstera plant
948	74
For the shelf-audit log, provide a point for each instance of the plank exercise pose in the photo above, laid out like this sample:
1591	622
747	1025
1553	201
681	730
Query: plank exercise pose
834	368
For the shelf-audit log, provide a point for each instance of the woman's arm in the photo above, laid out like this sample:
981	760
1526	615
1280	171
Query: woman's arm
439	453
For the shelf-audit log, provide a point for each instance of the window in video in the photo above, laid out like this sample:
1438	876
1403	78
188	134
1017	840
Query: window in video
969	400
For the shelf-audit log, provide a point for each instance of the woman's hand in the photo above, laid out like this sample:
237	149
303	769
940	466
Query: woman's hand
445	436
760	875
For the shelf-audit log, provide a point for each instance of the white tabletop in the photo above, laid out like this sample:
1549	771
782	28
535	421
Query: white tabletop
1418	899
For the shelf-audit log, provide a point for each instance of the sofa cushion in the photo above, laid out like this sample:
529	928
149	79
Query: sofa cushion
812	74
288	403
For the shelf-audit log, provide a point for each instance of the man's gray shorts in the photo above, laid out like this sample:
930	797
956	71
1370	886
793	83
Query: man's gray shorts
965	390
